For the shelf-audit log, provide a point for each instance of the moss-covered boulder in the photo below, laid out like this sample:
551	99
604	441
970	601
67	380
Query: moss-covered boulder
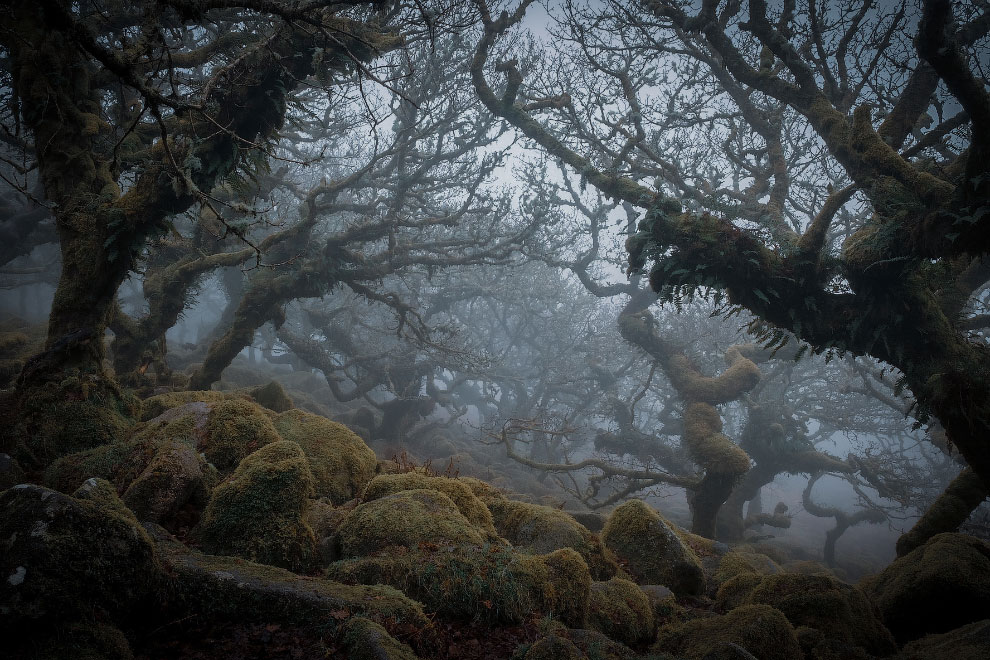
736	590
215	588
734	563
467	502
479	582
406	519
64	557
341	462
224	430
969	642
176	477
366	640
652	550
621	610
761	630
258	513
559	582
272	396
154	406
541	529
839	610
939	586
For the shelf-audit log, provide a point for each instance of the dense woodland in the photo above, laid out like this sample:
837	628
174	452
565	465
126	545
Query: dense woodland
474	329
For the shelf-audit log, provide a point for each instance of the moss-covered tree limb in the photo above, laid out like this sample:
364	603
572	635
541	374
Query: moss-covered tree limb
950	510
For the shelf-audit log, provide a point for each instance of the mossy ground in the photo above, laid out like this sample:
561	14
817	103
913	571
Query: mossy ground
424	559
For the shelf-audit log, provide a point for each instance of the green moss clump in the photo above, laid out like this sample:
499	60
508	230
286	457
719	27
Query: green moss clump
113	462
234	429
102	493
562	583
969	642
734	563
934	588
467	502
258	513
653	551
839	610
62	557
480	582
621	610
482	489
736	590
407	519
272	396
224	430
597	646
541	529
761	630
366	640
341	462
154	406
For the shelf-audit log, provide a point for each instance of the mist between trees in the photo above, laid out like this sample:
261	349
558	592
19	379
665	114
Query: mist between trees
611	249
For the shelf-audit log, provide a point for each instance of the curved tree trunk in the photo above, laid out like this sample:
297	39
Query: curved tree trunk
947	513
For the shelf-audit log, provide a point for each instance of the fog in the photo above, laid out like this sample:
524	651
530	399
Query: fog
725	258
